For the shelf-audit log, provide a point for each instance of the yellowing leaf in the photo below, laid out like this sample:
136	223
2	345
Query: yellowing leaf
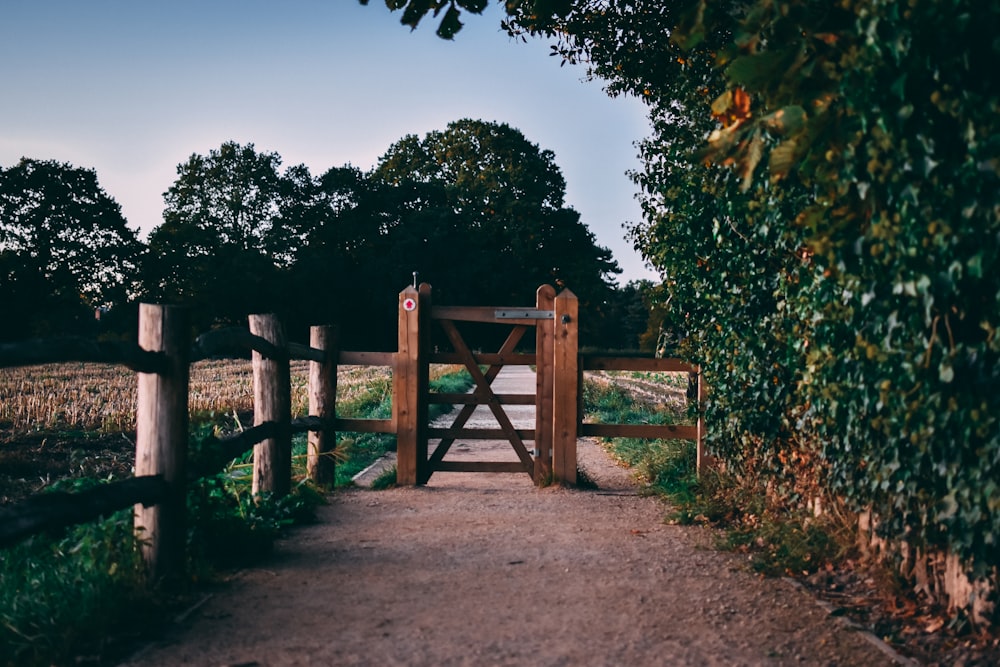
787	120
753	154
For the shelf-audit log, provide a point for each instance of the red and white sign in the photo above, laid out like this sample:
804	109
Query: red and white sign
409	304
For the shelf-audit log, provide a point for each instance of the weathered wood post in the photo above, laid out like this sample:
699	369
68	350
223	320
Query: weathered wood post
423	383
409	387
272	402
320	464
700	426
161	438
565	379
544	338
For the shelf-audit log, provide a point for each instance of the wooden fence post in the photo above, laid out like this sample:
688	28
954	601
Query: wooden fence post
320	464
544	337
409	388
565	380
700	427
272	402
161	438
423	383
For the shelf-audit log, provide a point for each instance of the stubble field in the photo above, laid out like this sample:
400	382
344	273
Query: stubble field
78	419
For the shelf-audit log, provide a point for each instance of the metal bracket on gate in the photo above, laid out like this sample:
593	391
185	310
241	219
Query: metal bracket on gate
524	314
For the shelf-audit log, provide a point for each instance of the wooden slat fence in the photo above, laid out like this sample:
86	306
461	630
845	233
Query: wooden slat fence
161	359
695	432
164	352
559	368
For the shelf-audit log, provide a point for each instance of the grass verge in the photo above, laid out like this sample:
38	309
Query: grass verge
81	596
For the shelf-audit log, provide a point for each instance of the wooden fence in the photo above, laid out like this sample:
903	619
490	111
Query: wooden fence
558	398
162	358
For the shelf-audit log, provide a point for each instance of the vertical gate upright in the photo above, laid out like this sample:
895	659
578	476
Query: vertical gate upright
553	454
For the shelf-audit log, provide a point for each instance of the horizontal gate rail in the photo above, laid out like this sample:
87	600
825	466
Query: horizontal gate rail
472	399
488	359
480	433
480	466
490	314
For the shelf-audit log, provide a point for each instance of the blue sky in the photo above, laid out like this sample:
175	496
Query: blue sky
131	89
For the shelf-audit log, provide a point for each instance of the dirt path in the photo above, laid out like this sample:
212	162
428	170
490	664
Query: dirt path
488	570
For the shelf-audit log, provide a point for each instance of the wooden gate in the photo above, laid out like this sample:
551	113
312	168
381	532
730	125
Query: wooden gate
553	438
557	398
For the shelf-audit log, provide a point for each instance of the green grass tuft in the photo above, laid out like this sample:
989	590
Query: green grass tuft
385	480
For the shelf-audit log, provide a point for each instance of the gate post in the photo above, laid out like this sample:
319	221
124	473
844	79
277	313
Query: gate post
272	402
701	459
409	387
544	337
320	464
565	382
161	438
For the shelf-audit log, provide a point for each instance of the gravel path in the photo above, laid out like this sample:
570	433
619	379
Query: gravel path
486	569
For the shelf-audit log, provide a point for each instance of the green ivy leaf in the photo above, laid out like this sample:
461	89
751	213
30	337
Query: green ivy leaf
449	24
945	372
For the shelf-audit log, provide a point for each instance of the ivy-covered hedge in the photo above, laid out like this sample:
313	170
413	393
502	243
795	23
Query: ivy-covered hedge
821	193
857	286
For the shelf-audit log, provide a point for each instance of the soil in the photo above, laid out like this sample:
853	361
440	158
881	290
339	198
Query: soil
32	462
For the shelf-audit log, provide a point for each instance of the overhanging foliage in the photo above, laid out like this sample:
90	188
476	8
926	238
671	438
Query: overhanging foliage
820	193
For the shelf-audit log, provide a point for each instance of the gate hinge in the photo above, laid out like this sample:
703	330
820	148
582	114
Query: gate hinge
524	314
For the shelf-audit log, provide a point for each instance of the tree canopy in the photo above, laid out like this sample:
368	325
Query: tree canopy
476	209
223	241
489	207
65	249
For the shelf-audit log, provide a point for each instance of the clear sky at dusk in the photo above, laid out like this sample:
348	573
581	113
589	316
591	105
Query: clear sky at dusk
131	89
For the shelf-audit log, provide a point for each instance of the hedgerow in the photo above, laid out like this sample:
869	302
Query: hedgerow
821	193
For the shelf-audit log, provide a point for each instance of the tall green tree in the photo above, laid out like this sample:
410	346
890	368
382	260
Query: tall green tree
484	217
65	249
226	240
343	270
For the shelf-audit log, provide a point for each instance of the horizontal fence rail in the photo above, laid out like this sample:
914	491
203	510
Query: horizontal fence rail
161	359
72	348
695	432
60	509
237	339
